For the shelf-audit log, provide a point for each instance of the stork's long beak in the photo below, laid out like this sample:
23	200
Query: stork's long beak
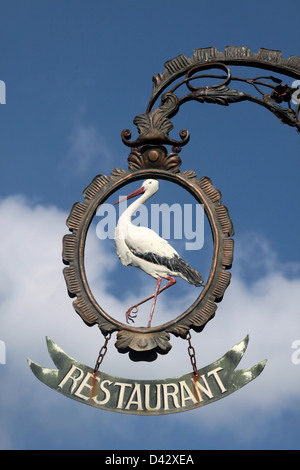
141	190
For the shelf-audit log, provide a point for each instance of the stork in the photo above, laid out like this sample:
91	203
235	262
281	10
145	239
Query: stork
142	248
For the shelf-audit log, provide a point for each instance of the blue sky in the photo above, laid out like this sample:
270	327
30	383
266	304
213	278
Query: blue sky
76	75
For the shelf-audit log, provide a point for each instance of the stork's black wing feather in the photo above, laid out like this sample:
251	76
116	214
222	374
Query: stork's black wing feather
174	264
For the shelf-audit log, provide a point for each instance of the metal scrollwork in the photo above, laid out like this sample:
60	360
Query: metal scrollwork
154	126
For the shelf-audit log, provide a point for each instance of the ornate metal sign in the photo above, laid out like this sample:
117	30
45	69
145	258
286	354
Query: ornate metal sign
146	397
198	314
150	162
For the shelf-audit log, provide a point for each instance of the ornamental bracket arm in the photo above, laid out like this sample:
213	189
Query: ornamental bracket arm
282	100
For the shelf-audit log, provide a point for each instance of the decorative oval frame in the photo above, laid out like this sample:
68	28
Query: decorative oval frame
137	340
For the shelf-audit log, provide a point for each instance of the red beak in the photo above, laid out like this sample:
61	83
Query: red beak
141	190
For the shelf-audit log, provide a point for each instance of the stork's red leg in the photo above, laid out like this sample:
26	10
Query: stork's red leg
154	301
170	283
158	291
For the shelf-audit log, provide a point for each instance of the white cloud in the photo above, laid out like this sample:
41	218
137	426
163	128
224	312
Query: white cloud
35	304
86	146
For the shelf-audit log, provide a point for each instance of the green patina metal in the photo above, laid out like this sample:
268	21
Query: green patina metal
146	397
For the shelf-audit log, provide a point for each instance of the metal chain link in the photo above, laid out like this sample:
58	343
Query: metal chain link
102	353
192	354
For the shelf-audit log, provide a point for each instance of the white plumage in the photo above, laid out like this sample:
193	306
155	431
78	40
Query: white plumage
142	248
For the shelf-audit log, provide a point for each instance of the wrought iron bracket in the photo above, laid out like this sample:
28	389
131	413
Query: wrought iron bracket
155	124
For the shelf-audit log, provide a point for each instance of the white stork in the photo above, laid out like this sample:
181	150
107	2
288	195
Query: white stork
144	249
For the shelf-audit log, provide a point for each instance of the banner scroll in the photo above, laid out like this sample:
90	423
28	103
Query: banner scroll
146	397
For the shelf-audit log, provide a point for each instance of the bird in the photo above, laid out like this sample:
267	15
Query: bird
143	248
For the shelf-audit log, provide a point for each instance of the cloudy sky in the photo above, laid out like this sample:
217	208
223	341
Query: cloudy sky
76	75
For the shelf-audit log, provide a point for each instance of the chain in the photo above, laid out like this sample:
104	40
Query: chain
192	354
102	353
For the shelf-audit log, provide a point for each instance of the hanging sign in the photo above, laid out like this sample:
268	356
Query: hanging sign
146	397
149	163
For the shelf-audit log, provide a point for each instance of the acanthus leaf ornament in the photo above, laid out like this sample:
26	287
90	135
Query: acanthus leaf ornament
154	126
